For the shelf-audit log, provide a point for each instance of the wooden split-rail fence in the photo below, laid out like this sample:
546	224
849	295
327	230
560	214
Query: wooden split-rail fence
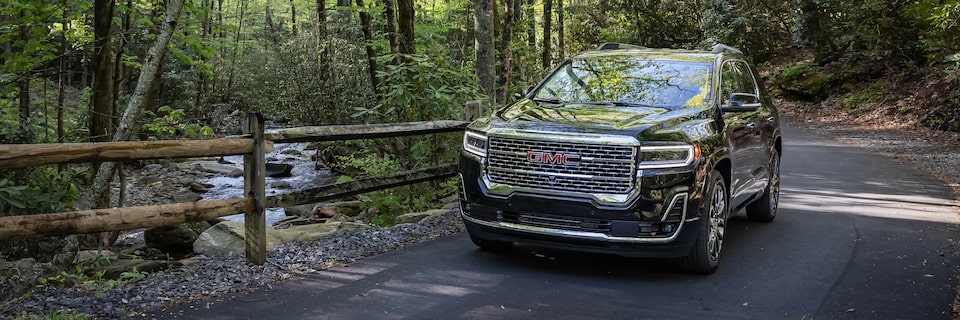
252	145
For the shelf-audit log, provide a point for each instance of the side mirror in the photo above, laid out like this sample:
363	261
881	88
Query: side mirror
742	102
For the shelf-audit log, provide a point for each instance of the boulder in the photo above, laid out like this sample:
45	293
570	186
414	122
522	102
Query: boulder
18	277
337	209
278	170
304	210
313	232
171	239
228	236
417	216
198	187
213	167
186	197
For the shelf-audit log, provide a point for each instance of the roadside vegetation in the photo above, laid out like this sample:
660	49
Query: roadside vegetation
70	69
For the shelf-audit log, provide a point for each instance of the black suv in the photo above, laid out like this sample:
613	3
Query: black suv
626	150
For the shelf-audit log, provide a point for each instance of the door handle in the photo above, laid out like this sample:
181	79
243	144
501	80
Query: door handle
770	119
752	125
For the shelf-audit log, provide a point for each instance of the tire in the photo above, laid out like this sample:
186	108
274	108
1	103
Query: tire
765	208
491	245
704	257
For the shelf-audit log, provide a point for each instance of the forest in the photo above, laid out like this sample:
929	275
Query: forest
109	70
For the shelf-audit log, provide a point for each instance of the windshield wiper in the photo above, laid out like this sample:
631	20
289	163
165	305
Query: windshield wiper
623	104
550	100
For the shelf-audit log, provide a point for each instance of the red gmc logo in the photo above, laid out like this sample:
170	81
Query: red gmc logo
553	158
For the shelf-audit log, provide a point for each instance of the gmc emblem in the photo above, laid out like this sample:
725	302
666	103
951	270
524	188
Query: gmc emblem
553	158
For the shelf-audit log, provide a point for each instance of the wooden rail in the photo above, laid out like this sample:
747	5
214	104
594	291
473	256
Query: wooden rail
252	145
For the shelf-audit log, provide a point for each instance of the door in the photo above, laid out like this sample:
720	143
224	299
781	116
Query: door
743	132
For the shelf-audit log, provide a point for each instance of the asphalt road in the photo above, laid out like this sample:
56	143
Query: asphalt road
857	236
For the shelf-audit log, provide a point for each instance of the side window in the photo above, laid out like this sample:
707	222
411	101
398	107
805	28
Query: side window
729	82
747	83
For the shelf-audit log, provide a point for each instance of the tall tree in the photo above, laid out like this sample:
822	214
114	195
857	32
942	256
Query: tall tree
390	28
547	30
406	19
506	52
365	26
531	18
101	114
560	35
293	17
322	38
484	46
62	74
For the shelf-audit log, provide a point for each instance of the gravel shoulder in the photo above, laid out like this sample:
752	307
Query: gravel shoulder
901	138
220	277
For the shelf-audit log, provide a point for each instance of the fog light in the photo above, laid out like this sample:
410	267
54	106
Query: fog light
668	228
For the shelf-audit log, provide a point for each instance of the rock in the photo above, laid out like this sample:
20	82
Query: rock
280	185
417	216
95	257
170	239
162	186
305	210
291	151
186	197
156	167
313	232
278	170
147	180
18	277
336	209
196	187
213	167
228	237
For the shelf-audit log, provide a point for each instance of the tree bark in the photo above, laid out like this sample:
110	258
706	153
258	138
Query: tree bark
365	26
322	38
151	64
271	29
484	46
407	40
547	29
531	24
293	17
101	115
390	29
506	51
560	35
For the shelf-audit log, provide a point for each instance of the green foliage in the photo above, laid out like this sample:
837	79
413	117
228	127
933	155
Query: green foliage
171	123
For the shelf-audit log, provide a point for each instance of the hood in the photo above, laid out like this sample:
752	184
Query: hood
612	117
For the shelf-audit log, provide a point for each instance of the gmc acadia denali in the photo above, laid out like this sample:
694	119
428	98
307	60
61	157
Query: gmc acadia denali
626	150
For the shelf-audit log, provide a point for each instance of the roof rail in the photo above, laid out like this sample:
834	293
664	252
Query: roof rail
722	48
616	45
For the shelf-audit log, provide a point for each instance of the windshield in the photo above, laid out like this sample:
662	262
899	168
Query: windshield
630	80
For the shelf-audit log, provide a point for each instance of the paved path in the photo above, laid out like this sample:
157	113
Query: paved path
858	236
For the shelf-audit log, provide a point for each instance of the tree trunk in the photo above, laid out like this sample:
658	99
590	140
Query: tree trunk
271	29
236	41
531	24
506	52
293	17
390	29
365	25
101	115
407	42
484	46
322	38
560	35
135	105
547	29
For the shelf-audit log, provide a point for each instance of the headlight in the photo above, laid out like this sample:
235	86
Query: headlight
475	143
658	157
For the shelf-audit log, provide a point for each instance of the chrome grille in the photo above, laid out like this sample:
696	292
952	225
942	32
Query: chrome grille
601	168
559	222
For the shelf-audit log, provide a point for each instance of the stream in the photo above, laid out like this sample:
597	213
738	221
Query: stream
304	176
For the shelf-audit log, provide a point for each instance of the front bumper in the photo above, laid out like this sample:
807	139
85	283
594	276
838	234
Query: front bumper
636	227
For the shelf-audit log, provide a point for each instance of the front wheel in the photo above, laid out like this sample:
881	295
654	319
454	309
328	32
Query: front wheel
704	258
765	208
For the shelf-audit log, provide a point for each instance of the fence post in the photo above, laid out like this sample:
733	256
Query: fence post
254	181
473	110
